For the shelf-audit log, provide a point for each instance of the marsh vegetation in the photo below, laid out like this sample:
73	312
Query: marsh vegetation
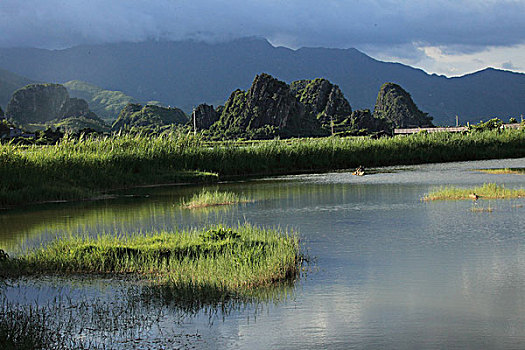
517	171
90	166
486	191
219	259
207	198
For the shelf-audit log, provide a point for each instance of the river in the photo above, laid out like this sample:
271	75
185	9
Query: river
387	270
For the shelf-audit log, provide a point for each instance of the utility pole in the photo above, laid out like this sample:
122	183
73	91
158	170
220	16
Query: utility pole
194	116
332	124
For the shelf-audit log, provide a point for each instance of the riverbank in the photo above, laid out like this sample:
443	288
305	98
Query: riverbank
91	167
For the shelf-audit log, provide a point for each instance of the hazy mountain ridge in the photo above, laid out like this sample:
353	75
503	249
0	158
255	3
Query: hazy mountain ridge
106	104
187	73
9	83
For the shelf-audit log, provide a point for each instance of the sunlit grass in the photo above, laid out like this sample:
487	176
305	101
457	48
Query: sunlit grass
518	171
487	191
206	198
90	166
219	259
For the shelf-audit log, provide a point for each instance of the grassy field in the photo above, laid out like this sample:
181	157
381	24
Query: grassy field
487	191
90	167
217	260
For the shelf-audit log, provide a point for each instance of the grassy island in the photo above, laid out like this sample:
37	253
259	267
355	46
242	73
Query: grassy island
207	198
91	166
487	191
218	259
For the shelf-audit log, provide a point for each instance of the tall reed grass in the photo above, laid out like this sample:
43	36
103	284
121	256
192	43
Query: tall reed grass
76	169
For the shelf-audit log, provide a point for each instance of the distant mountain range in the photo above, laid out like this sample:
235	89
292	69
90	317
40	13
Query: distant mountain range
9	82
187	73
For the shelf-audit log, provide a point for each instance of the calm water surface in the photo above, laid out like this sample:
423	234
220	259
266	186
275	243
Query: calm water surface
390	270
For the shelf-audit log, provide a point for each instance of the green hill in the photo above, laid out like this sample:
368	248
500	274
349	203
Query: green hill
148	116
39	106
106	104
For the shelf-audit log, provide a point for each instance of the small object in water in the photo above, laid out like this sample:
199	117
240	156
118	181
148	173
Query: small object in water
359	171
3	255
473	196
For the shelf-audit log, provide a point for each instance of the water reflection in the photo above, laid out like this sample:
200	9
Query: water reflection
97	313
391	270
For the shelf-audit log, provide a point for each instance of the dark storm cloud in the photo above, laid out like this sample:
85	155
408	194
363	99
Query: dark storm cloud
458	26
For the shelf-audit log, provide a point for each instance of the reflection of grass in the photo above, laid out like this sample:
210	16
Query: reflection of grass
487	191
83	321
219	259
207	198
488	209
28	328
519	171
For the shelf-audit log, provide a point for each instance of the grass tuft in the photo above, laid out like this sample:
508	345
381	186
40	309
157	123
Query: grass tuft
207	198
487	191
517	171
217	260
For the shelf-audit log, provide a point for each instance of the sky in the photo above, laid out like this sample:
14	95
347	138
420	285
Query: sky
450	37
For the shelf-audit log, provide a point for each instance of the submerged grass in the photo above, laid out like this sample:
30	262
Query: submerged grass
76	169
518	171
487	191
206	198
28	327
218	260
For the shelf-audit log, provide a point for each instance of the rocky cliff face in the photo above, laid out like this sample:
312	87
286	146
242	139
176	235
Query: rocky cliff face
363	122
396	106
205	116
78	107
322	99
267	102
148	116
271	107
305	108
38	103
50	104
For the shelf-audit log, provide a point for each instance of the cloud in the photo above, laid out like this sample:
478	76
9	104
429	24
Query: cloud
443	36
462	26
509	66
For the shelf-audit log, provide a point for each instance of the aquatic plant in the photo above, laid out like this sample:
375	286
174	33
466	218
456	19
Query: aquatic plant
487	191
206	198
518	171
26	327
216	260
